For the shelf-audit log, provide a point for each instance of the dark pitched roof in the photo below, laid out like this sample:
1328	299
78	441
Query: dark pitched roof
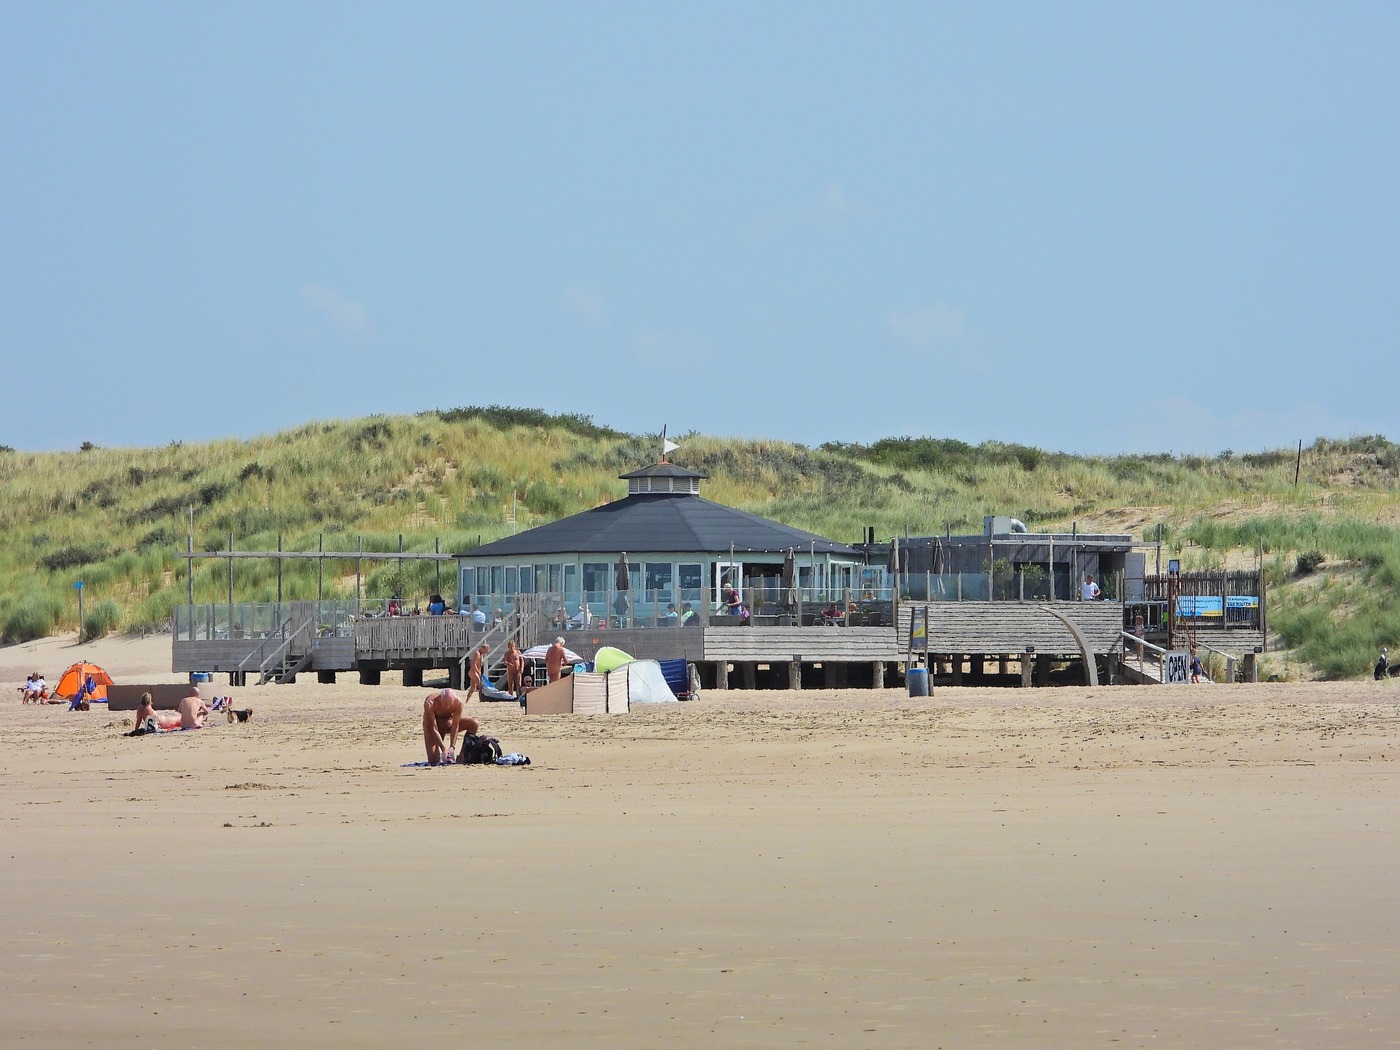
662	470
660	522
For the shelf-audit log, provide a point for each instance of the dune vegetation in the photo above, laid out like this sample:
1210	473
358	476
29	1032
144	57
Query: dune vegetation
118	519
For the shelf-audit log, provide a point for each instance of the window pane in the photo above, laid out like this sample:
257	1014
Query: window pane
597	576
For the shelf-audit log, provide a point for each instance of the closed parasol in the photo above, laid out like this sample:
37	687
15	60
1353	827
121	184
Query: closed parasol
790	579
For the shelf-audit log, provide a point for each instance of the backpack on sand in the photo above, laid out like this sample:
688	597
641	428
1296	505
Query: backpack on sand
479	751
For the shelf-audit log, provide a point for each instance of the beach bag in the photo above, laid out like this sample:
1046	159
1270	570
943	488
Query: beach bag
479	751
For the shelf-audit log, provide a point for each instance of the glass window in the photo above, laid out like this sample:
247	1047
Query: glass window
512	579
527	580
497	579
658	576
597	576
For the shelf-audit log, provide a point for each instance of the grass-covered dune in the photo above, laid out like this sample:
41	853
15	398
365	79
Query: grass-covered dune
118	518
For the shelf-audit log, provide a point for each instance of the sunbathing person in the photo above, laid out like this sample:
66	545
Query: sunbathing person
146	714
34	690
442	722
193	712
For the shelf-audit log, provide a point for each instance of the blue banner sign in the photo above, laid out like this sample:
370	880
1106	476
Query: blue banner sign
1195	606
1241	601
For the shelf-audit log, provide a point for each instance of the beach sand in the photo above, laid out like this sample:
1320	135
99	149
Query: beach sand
1202	866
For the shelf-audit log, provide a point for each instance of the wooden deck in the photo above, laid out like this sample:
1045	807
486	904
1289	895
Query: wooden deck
415	644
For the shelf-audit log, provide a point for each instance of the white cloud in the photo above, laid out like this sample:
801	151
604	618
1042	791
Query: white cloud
585	305
928	327
345	315
827	210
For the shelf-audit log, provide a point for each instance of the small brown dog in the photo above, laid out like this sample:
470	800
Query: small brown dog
242	715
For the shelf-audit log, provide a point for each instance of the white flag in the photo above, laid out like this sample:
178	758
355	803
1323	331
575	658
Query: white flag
668	446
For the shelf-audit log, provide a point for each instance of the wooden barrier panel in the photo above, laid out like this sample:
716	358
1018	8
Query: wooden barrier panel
557	698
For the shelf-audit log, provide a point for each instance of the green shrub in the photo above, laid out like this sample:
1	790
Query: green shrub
1309	562
35	616
72	556
100	620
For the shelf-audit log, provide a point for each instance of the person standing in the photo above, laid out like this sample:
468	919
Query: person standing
477	670
1382	670
554	660
1091	590
515	666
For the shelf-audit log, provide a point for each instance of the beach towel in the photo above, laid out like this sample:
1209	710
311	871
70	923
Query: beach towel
515	758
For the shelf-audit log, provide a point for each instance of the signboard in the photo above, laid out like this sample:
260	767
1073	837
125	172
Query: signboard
1178	668
1196	606
918	627
1241	601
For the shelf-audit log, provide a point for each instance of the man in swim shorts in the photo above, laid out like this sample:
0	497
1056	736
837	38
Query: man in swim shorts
442	721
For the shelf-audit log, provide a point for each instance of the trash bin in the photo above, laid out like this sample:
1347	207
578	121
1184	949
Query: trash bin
917	677
200	676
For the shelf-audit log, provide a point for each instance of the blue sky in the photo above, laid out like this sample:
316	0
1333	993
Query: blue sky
1090	227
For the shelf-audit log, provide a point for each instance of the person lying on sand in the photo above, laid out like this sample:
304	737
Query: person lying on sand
442	722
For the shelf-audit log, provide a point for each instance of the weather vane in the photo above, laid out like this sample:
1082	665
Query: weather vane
667	445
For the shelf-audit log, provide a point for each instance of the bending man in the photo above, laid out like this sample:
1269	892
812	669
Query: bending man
442	721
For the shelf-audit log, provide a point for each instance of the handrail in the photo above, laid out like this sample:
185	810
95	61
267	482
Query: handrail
1128	636
272	636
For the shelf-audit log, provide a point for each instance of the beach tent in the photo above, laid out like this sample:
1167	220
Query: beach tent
641	682
609	659
72	680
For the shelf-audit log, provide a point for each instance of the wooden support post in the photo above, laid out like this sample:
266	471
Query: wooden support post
877	674
722	674
978	664
1115	668
412	677
1251	667
369	676
1027	663
749	674
795	673
957	668
325	677
1042	670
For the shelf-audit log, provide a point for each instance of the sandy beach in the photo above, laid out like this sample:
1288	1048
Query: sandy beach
1209	866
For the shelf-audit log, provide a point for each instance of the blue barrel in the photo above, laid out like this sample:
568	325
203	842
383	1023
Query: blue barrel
917	677
200	676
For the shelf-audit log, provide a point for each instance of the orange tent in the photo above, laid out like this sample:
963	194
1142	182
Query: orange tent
72	680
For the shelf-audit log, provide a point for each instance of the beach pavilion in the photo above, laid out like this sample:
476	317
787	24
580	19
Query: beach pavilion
627	562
